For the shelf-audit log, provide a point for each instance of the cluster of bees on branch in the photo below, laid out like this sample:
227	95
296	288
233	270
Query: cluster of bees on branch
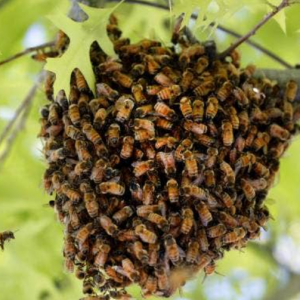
166	167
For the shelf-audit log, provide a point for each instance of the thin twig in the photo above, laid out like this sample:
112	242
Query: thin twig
221	28
23	111
266	18
26	51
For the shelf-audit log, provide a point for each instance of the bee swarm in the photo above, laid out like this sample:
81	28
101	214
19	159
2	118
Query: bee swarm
167	167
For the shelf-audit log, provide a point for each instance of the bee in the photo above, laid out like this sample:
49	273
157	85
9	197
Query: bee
172	250
54	114
108	225
228	171
6	236
142	167
190	164
127	147
227	200
187	220
251	135
153	253
80	81
82	151
279	132
173	190
244	121
113	134
88	287
288	111
148	192
80	274
162	278
168	162
228	220
97	173
277	150
111	273
145	124
209	178
187	78
186	107
58	154
240	96
69	247
186	144
192	252
164	124
150	286
163	79
110	66
72	194
190	53
211	108
164	110
144	110
212	154
246	160
91	134
137	70
194	191
74	114
259	184
105	90
48	88
82	168
91	204
234	236
142	135
248	190
216	231
122	79
198	110
169	93
172	73
127	235
261	170
102	256
204	88
138	94
201	64
291	90
144	210
100	118
204	213
145	235
202	240
227	133
84	233
124	107
166	141
112	188
123	214
153	90
69	265
140	253
195	127
152	65
158	220
204	260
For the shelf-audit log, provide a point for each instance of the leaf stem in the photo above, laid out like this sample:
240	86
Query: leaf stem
265	19
26	51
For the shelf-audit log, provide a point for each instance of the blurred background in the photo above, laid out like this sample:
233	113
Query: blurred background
31	267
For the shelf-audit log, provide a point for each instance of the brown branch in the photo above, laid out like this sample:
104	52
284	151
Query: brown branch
26	51
23	111
266	18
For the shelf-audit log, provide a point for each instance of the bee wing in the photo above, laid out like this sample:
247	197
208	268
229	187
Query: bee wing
115	179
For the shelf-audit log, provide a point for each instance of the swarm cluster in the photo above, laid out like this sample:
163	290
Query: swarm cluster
166	167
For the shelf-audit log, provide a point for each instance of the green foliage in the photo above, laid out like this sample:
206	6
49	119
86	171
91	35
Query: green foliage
82	35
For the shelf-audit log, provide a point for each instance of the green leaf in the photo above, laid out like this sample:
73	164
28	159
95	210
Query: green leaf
82	35
280	18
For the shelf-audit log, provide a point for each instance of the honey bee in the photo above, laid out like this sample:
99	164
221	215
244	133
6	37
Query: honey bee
209	178
201	64
225	91
195	127
192	190
153	252
143	135
211	108
163	79
142	167
148	192
234	236
152	65
140	253
192	252
248	190
212	154
240	96
138	94
244	121
72	194
246	160
108	225
168	161
145	235
172	73
164	110
186	107
127	147
172	250
204	213
187	220
190	53
84	233
80	81
6	236
164	124
145	124
205	140
105	90
143	111
216	231
82	150
98	170
202	239
82	168
198	110
159	220
110	66
204	88
291	90
113	134
187	78
137	70
126	235
259	184
163	278
150	286
112	187
123	214
54	114
144	210
91	134
228	171
186	144
153	90
251	135
190	164
74	114
173	191
111	273
279	132
277	150
69	265
58	154
169	93
227	133
91	204
122	79
102	256
204	260
228	220
166	141
261	170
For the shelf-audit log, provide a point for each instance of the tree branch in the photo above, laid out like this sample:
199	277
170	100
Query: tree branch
267	17
26	51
